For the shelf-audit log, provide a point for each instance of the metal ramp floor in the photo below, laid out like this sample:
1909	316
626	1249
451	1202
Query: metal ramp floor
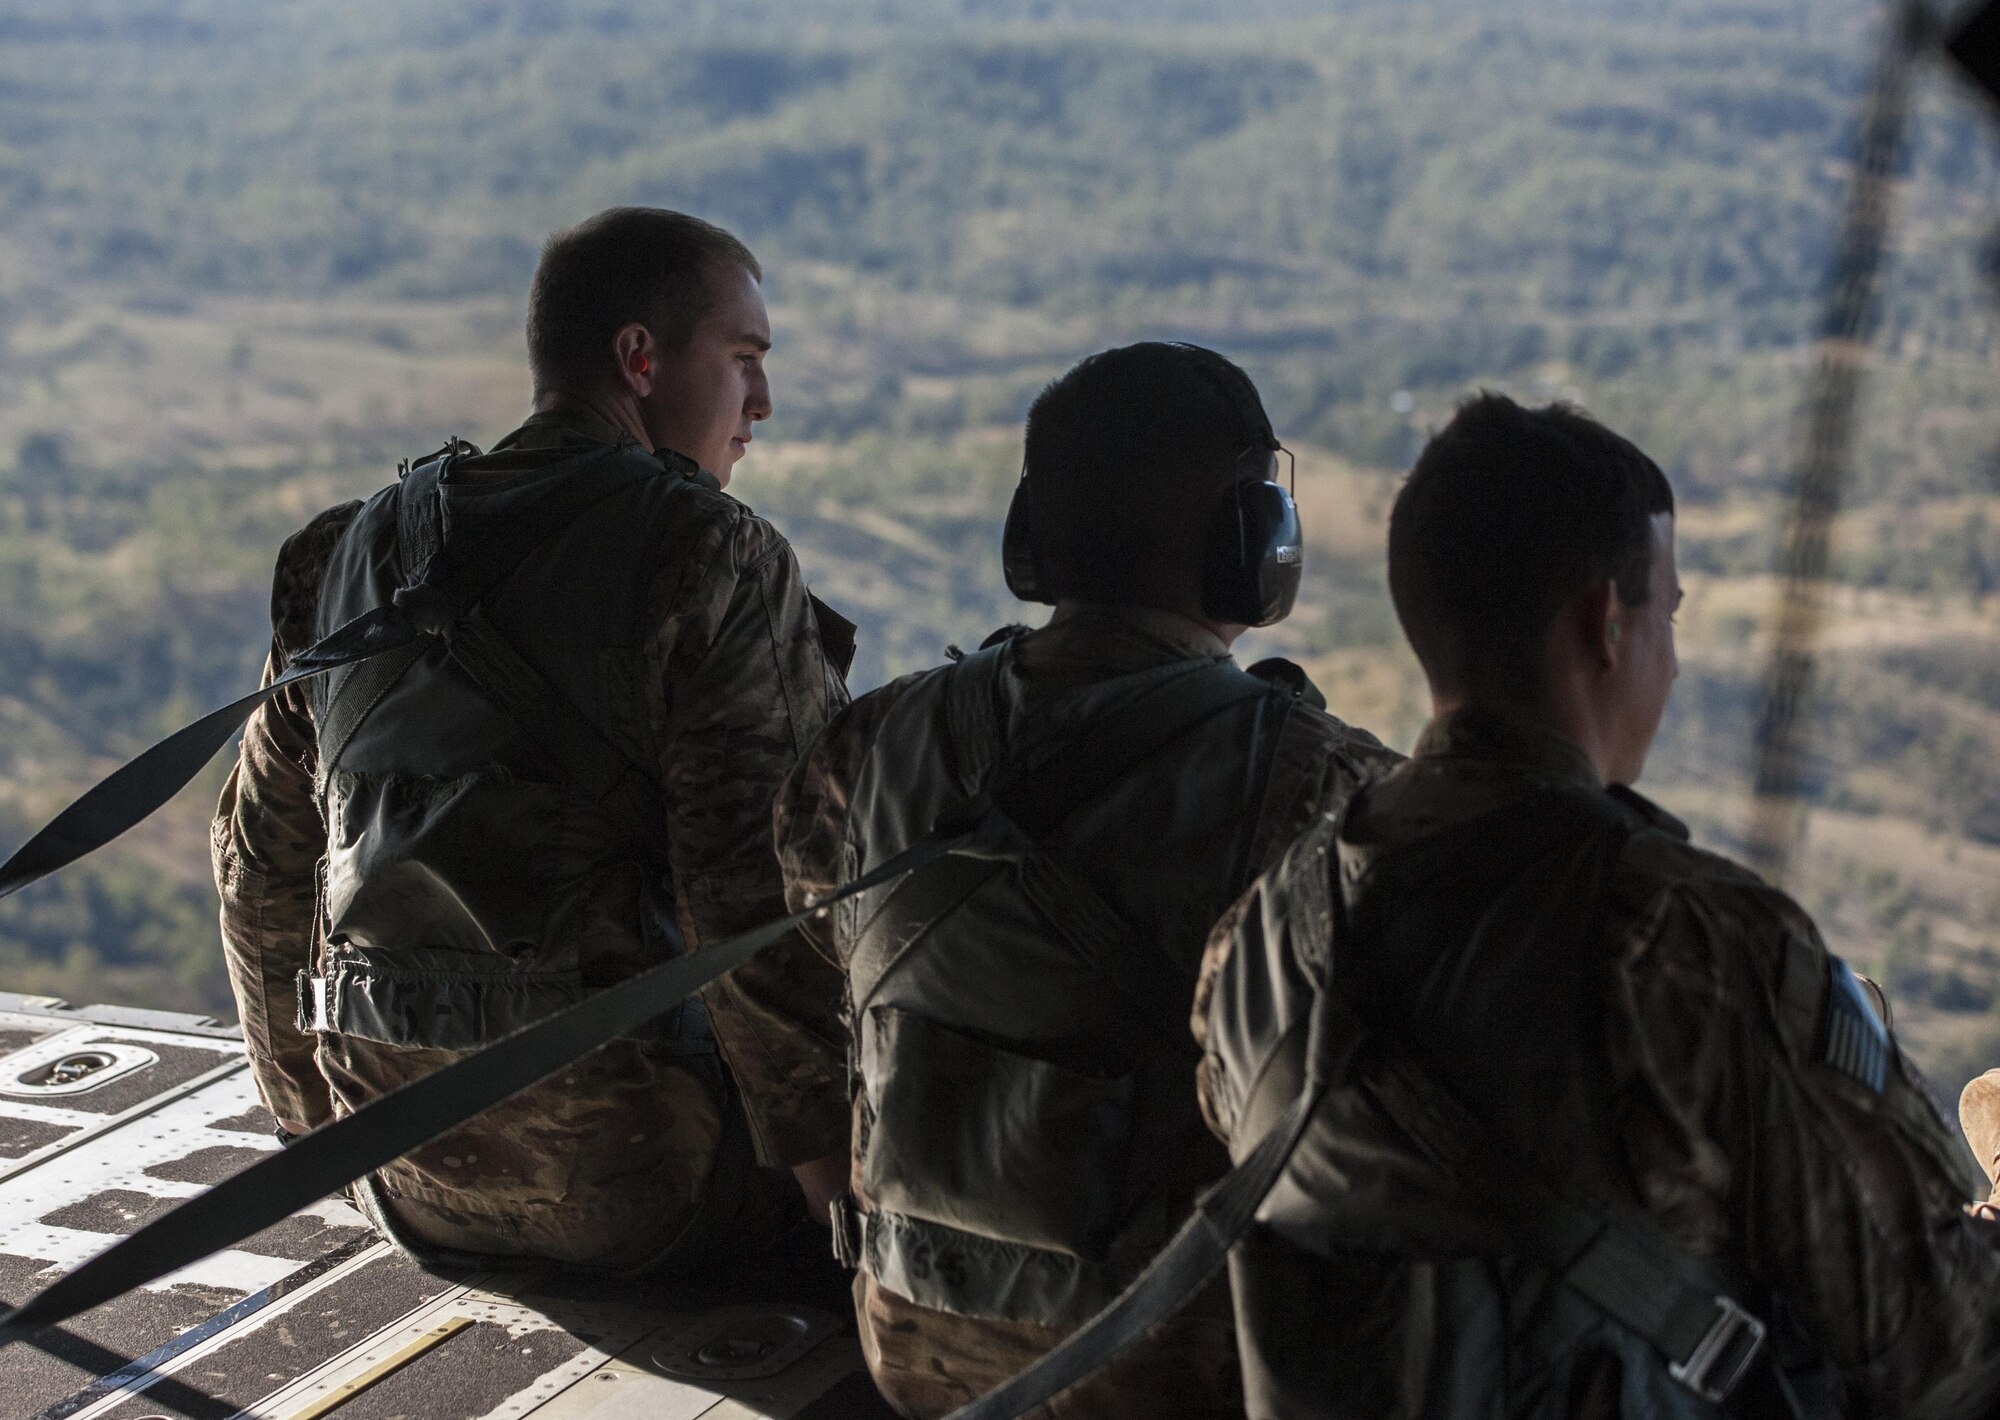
109	1116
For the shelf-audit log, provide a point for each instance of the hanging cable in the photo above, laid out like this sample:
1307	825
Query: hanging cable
1783	774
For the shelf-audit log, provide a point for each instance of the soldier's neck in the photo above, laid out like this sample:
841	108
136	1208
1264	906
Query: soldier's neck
1568	716
1160	617
620	411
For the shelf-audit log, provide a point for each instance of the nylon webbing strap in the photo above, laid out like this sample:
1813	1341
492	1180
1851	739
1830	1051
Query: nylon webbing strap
1113	747
329	1158
554	722
1175	1276
462	575
1620	1262
385	1129
1018	814
136	789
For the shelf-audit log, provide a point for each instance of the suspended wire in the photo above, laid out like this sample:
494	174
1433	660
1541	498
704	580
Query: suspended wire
1783	773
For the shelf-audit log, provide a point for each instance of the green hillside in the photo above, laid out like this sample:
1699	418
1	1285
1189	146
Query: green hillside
251	253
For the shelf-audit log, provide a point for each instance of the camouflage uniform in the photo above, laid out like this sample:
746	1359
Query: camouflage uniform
1692	1055
958	1289
607	1161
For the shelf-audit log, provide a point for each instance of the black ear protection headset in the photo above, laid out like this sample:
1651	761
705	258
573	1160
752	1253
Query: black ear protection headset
1253	556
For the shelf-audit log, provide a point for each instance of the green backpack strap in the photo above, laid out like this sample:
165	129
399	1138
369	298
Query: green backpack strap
1009	823
447	582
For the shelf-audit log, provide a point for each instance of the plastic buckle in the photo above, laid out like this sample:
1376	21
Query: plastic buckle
1722	1356
427	608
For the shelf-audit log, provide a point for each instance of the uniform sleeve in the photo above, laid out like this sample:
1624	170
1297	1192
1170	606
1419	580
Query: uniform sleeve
1317	763
815	851
739	687
1216	1089
1745	1132
265	844
1260	974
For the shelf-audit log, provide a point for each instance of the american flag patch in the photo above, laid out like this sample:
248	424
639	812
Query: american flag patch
1852	1038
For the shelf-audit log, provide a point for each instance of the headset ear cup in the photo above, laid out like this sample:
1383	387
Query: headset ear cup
1018	560
1255	556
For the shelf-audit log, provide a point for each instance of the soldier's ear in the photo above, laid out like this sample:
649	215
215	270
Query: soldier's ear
1599	617
634	348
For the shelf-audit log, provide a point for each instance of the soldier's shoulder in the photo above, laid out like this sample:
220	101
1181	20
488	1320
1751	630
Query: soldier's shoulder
873	705
749	538
1687	900
1364	754
300	572
859	723
702	545
315	541
1663	855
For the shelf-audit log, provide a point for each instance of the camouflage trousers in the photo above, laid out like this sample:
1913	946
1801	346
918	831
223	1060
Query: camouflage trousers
624	1164
928	1363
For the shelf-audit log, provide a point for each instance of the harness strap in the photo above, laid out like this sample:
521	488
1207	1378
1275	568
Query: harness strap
1009	823
1178	1273
562	730
1097	932
448	579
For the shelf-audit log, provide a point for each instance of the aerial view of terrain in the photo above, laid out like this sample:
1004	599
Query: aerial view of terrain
253	253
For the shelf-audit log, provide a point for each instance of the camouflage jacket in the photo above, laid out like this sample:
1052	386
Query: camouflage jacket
613	1154
984	1231
1693	1055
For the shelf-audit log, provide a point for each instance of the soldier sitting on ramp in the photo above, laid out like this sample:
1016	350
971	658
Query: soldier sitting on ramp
1607	1130
1026	1131
434	850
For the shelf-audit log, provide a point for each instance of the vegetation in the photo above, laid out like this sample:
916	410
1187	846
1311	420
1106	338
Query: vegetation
250	254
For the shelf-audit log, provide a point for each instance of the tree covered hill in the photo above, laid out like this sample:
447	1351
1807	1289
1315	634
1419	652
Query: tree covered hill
252	252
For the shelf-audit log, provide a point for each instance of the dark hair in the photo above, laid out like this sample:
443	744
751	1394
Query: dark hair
626	264
1126	457
1508	514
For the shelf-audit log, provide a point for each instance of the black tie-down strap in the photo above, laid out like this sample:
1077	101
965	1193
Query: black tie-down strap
1178	1274
331	1157
129	794
451	584
385	1129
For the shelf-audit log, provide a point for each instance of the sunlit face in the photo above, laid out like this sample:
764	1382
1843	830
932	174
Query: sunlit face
1646	665
707	394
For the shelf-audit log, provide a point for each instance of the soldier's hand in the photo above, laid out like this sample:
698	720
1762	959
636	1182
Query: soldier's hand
822	1180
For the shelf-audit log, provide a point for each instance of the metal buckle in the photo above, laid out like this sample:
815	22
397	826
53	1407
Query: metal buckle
846	1220
312	1015
1723	1354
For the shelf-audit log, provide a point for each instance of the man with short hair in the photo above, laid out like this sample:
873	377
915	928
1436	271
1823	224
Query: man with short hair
430	852
1026	1134
1607	1130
